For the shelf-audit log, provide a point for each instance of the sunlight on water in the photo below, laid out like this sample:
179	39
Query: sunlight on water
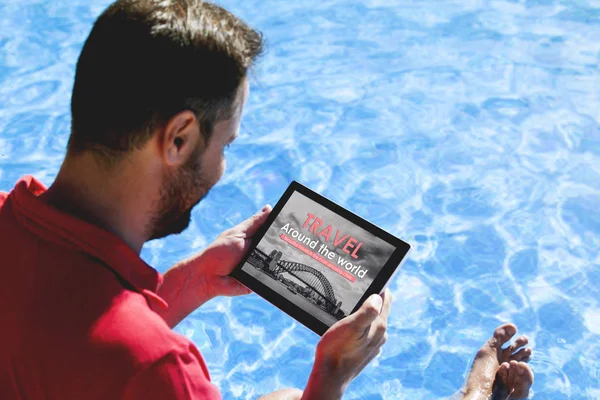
468	128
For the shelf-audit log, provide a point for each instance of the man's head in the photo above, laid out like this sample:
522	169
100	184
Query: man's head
172	71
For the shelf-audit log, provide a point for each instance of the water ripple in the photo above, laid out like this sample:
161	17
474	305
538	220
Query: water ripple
469	128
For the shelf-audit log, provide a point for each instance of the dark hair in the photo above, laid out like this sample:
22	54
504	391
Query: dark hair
146	60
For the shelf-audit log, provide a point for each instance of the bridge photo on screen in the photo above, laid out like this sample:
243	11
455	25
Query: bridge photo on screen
317	259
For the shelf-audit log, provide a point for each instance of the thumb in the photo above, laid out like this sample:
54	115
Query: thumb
227	286
367	313
249	227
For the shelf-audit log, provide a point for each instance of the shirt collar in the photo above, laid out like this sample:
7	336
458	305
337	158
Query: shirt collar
66	230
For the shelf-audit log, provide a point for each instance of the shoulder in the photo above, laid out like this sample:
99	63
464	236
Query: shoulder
3	197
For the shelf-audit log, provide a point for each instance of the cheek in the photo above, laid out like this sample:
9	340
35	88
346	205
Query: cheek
215	169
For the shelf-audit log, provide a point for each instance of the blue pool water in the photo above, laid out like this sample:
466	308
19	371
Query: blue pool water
469	128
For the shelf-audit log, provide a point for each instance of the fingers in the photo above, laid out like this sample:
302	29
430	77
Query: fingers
249	227
378	329
371	319
357	339
387	302
373	353
382	340
367	313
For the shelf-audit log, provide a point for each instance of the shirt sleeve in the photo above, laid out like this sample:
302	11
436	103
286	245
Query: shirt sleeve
176	376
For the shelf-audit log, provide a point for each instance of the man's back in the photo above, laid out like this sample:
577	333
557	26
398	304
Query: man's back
76	320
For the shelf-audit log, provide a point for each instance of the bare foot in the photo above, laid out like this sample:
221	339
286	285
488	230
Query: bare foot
513	381
480	382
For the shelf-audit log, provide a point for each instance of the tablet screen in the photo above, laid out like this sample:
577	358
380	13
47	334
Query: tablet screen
317	259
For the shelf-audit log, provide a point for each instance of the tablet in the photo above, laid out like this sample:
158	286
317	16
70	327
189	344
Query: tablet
317	261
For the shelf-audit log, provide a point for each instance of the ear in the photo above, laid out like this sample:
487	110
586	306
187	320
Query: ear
180	137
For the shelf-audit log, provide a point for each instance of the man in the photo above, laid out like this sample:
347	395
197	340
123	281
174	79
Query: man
159	91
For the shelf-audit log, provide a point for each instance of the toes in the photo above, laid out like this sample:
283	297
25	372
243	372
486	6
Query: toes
521	355
515	379
512	376
512	372
503	372
521	341
523	379
525	373
502	334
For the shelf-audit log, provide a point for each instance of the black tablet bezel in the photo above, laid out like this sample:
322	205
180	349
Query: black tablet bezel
398	256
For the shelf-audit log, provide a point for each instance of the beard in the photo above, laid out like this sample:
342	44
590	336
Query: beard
180	191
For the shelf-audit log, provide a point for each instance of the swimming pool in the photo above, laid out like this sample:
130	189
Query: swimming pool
468	128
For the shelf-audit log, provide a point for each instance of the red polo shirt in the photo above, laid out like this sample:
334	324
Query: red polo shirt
75	313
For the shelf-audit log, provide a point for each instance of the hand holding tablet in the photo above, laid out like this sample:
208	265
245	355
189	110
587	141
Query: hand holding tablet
347	348
317	261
